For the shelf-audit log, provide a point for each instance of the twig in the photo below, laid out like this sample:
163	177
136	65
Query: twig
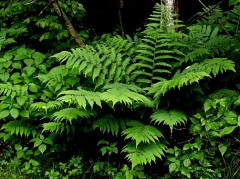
68	24
120	6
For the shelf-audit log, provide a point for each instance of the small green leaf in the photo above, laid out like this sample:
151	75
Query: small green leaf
42	148
38	58
222	148
4	77
187	162
227	130
29	70
17	65
14	113
24	113
48	141
33	88
18	147
28	62
21	100
34	162
172	167
233	2
20	154
4	114
37	143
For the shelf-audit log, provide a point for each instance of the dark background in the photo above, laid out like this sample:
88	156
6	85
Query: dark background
102	15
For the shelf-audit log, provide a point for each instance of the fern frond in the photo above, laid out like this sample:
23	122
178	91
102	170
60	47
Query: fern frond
156	57
42	106
69	114
145	153
8	89
170	118
141	133
56	127
205	40
194	73
124	94
213	66
80	97
178	81
110	124
103	64
18	128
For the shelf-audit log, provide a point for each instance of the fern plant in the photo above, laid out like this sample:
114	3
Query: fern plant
159	53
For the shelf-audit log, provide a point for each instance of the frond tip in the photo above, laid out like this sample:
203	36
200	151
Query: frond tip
170	118
141	133
109	124
69	114
124	94
145	153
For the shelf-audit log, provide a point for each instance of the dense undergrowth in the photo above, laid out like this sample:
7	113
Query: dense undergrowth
163	103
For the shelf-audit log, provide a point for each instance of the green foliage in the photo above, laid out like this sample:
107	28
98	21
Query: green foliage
145	153
100	111
170	118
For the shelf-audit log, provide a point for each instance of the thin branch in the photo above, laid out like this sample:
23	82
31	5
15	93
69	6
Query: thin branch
68	24
120	6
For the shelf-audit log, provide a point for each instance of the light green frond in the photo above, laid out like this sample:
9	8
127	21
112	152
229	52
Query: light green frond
103	64
141	133
69	114
170	118
124	94
42	106
18	128
145	153
80	97
178	81
12	90
110	124
56	127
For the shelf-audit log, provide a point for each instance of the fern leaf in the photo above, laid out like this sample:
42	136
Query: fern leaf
170	118
109	124
124	94
141	133
145	153
177	82
54	127
69	114
18	128
80	97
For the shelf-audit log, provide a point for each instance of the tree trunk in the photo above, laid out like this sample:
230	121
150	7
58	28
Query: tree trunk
172	5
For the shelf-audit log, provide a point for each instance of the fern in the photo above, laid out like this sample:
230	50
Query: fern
205	42
159	53
179	81
69	114
12	90
80	97
19	128
170	118
124	94
141	133
57	127
214	66
102	64
110	124
145	153
193	73
43	106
